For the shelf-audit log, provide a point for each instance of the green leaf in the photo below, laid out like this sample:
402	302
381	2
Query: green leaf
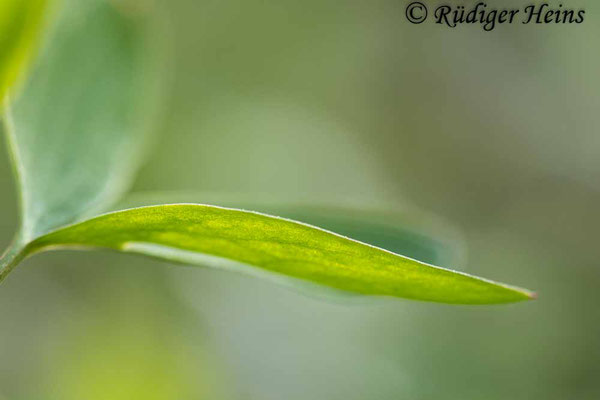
257	243
75	137
404	230
75	132
21	22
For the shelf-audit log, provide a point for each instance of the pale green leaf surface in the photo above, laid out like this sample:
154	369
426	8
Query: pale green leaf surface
403	229
21	22
208	235
75	130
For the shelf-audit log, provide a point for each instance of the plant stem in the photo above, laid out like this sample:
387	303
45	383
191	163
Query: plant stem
11	257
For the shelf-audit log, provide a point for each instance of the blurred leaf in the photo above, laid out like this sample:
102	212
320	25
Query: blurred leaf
21	23
149	357
74	132
228	238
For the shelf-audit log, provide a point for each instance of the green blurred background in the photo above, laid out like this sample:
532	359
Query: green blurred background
496	132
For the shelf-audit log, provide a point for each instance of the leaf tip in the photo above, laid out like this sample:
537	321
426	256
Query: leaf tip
526	294
531	295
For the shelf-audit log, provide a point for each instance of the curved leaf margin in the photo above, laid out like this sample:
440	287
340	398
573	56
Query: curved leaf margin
195	234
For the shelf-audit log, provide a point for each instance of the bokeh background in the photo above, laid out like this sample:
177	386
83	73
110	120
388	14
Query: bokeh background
496	132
